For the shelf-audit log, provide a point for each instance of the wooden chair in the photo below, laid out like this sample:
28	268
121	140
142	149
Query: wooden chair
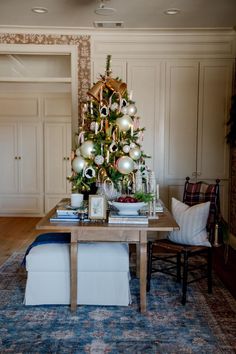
178	260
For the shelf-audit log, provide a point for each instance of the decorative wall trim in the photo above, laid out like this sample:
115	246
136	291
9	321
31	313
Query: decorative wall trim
82	43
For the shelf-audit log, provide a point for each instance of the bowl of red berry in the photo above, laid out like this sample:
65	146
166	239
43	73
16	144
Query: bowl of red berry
127	205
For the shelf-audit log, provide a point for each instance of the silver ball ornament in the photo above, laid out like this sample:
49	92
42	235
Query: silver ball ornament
78	164
92	126
86	149
131	109
135	153
99	159
126	149
114	106
125	165
124	123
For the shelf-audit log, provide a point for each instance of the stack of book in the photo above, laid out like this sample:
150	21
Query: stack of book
64	213
115	218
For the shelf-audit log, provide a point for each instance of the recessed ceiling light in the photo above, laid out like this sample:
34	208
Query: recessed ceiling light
171	11
39	10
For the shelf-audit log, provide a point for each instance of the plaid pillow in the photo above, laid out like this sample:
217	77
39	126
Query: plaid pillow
201	192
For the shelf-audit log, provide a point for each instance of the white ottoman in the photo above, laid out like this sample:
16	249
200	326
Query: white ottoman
103	274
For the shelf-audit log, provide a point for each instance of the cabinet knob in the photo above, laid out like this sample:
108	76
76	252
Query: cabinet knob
64	158
16	157
19	158
199	173
68	158
194	174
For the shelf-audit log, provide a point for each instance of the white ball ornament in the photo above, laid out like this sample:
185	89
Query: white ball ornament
125	165
124	123
124	110
131	109
132	145
78	164
77	152
86	149
135	153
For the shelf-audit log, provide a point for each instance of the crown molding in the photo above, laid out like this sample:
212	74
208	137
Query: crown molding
117	32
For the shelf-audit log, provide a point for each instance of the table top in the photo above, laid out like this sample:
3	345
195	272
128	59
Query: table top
164	222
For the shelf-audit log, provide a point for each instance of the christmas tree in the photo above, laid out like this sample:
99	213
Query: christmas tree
109	153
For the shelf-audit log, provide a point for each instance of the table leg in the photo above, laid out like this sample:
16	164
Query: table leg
137	260
73	271
143	269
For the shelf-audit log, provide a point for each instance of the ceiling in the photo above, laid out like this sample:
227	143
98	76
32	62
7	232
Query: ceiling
136	14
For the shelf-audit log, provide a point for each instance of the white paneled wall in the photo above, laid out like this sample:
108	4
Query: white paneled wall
182	86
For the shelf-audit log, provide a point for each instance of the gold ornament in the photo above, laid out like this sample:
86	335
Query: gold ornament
117	86
95	91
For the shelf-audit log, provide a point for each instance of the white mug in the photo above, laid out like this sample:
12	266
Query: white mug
76	199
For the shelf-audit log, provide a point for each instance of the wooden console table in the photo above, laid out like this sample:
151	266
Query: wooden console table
104	232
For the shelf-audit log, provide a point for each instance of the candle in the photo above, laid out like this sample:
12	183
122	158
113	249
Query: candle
108	156
91	108
96	128
131	95
157	191
132	130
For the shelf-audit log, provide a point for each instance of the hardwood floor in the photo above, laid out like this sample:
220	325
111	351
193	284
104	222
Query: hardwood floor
16	233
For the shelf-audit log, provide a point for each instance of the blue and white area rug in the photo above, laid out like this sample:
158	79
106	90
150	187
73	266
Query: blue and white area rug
207	324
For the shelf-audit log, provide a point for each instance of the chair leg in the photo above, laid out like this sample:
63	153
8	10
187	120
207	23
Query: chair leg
178	275
185	277
149	265
209	270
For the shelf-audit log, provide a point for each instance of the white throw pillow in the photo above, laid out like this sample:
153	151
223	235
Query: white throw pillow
192	222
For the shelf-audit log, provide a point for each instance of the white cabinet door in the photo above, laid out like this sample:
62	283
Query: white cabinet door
214	98
57	142
8	158
143	78
30	157
197	105
21	178
181	118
